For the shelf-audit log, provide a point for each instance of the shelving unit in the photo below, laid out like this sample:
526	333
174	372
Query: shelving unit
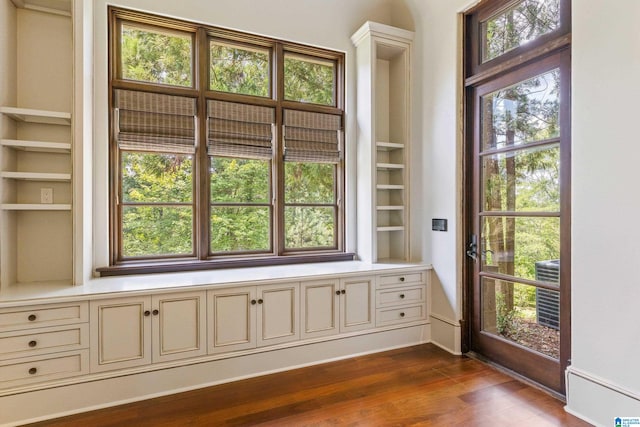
383	56
36	143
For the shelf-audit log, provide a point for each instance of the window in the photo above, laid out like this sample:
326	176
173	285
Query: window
226	148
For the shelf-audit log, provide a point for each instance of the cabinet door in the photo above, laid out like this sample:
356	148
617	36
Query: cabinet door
179	326
356	304
278	314
319	308
120	333
232	319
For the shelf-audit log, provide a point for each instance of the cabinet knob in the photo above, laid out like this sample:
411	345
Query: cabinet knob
260	301
253	302
337	292
33	343
33	371
147	313
401	296
32	317
401	314
343	292
156	312
402	279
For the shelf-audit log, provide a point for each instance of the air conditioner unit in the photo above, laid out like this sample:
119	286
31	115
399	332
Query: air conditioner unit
547	300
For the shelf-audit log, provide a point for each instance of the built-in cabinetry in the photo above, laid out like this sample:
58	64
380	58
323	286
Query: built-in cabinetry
384	139
137	331
253	316
105	338
333	306
43	343
36	146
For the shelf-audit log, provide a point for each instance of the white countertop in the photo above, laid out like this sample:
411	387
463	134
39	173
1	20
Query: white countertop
106	287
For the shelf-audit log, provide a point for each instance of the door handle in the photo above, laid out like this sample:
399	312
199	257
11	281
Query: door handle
472	248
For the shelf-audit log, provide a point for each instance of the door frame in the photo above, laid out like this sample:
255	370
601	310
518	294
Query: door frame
472	77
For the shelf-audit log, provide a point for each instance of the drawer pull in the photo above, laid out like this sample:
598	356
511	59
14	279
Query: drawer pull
402	279
156	312
33	371
401	296
32	317
32	343
401	314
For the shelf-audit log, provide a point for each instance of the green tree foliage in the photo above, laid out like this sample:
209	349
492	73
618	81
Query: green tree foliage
526	21
239	70
308	81
156	57
156	228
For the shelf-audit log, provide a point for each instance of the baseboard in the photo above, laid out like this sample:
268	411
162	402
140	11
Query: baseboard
446	334
45	404
599	401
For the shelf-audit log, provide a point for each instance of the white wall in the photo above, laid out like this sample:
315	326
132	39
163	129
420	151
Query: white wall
606	202
324	23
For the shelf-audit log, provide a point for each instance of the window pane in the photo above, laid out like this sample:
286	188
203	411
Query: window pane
309	182
526	112
239	180
513	246
309	227
240	229
150	177
157	230
156	56
239	69
523	314
309	80
518	25
524	180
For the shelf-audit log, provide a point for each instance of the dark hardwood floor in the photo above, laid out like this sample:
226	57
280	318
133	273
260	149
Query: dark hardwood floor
415	386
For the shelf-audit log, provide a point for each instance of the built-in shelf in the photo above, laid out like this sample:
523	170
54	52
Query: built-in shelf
389	166
388	146
390	208
36	176
41	146
391	228
29	115
35	207
389	187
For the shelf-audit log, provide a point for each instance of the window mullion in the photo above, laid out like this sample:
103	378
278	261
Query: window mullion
278	155
201	201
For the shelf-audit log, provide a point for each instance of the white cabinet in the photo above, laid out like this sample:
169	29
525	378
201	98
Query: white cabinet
333	306
43	343
254	316
384	138
137	331
401	298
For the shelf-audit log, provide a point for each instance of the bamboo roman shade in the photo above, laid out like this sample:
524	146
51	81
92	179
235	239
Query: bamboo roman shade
240	130
312	137
155	122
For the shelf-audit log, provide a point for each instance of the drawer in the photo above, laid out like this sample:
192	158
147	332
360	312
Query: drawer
400	296
400	279
391	316
30	342
39	316
43	368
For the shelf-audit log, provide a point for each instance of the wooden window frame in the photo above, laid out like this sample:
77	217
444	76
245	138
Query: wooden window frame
202	257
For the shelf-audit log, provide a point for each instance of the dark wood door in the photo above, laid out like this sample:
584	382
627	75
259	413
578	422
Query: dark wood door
518	146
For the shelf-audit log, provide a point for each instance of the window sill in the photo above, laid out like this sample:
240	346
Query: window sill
137	267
